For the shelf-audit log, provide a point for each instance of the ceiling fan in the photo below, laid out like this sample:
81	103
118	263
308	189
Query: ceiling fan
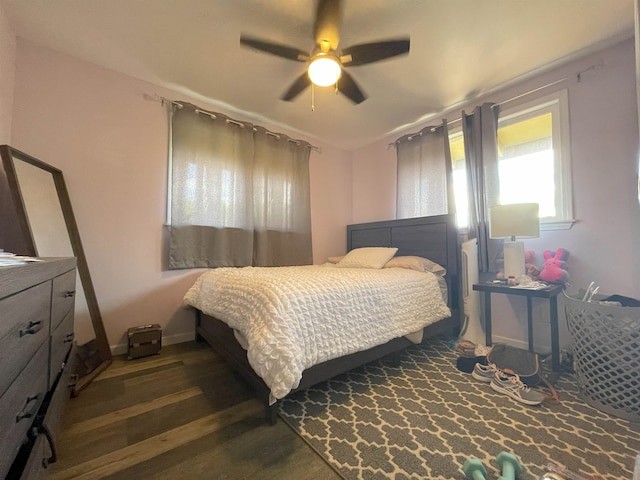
325	63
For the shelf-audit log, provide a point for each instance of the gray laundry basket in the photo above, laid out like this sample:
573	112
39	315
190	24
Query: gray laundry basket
606	351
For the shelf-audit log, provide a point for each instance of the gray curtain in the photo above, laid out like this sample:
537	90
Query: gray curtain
481	159
239	194
424	173
281	201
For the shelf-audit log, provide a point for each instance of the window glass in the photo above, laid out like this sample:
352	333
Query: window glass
526	166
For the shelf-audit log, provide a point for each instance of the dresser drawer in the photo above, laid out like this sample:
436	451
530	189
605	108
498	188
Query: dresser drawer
19	405
61	342
63	297
24	327
61	395
35	457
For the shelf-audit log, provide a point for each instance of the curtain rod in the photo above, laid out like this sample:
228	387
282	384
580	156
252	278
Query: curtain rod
165	101
550	84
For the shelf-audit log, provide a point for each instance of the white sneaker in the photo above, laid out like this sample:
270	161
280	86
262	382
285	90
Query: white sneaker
484	373
512	385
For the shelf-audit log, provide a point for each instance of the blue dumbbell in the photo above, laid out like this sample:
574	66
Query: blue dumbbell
509	465
474	470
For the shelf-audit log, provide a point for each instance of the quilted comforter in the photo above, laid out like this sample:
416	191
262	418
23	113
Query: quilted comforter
296	317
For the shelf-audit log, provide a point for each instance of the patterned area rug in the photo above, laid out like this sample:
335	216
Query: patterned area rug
424	418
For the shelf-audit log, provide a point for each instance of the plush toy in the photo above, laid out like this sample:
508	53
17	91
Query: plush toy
529	267
554	268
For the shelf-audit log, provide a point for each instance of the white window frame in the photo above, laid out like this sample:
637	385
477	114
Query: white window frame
557	104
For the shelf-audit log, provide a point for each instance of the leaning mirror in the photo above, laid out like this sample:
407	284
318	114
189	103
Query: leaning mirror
37	220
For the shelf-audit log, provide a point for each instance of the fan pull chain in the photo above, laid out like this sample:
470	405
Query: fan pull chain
313	98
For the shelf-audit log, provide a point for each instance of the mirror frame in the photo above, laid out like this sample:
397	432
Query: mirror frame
102	350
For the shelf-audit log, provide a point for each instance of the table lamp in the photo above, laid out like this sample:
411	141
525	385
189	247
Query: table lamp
509	222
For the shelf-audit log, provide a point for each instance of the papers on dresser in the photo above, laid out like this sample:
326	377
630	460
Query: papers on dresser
8	259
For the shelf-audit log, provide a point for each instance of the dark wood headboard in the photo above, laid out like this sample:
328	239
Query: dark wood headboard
435	238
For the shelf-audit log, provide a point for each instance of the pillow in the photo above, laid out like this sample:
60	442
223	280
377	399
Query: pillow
416	263
367	257
335	259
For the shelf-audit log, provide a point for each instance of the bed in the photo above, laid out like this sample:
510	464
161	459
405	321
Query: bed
433	238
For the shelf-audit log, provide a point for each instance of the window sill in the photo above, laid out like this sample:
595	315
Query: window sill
559	225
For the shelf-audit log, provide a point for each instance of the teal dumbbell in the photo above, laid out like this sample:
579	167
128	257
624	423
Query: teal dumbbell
474	470
509	464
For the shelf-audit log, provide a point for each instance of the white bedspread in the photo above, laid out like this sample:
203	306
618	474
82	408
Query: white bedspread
296	317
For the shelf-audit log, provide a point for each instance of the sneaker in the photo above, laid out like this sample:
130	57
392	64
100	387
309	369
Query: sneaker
512	385
484	373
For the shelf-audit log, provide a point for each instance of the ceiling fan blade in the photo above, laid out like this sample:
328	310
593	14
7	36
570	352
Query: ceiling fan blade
348	87
297	87
327	23
373	52
283	51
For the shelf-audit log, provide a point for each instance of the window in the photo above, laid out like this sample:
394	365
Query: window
534	160
239	194
456	142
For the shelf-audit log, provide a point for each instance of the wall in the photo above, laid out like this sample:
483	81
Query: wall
108	136
331	201
374	182
604	146
7	74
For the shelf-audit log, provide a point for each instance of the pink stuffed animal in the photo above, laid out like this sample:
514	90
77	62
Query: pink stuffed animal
554	268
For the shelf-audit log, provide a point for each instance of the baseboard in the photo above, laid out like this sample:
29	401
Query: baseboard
121	349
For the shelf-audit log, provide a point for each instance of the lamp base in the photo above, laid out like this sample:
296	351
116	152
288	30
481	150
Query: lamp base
513	258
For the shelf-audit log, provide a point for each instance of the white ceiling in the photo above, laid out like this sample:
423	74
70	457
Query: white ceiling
460	49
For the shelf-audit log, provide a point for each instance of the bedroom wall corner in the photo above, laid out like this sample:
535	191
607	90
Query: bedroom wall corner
604	142
331	201
109	137
374	182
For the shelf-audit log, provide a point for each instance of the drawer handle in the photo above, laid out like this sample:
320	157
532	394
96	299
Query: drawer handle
69	293
32	327
26	412
54	455
68	338
44	430
73	381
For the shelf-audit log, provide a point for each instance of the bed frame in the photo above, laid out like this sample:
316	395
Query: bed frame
431	237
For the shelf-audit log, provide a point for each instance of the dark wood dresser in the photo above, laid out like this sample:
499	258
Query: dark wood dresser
36	362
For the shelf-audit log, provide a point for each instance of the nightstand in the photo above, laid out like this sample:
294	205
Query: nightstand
551	293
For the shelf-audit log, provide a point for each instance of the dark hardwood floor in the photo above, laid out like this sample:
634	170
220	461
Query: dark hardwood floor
180	414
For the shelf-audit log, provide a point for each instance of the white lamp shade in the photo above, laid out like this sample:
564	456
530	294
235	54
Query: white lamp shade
324	71
515	220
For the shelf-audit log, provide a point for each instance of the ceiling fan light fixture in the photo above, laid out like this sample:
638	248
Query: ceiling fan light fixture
324	70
